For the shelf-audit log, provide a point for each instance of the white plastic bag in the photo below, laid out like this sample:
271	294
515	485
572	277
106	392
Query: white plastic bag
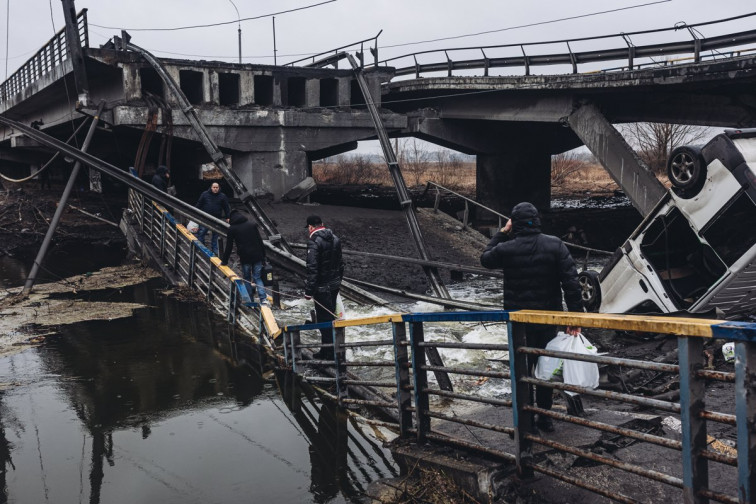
584	374
573	372
340	312
550	368
192	227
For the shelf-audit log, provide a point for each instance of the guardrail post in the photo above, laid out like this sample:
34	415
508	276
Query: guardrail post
339	352
745	412
192	263
163	221
176	243
417	337
296	352
231	316
521	396
401	366
466	215
692	391
437	202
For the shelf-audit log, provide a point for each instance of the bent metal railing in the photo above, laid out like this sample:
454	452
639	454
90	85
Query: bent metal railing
631	53
52	54
196	266
419	413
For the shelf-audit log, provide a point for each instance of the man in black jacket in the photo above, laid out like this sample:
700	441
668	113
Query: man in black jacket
251	251
537	268
161	178
214	202
325	268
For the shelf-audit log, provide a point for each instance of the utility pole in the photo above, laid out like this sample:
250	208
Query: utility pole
274	41
239	18
75	52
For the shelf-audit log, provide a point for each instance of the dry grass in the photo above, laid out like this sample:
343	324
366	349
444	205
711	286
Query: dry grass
573	177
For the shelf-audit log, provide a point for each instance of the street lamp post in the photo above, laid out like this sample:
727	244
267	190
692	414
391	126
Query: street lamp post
239	18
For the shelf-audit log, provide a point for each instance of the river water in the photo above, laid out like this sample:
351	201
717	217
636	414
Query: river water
171	406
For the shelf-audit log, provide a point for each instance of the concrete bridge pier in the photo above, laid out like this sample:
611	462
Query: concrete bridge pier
269	172
512	176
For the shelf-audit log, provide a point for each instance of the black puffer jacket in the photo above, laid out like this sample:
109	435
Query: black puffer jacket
214	204
537	267
249	245
325	266
160	179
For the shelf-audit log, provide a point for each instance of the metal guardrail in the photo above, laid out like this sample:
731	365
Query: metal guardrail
200	269
52	54
630	53
515	443
333	56
501	217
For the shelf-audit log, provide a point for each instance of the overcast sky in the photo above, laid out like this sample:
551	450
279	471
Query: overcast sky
341	22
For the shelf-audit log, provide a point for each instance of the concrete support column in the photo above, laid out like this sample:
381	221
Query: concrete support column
519	174
312	93
246	88
132	82
616	156
273	172
207	83
345	92
213	88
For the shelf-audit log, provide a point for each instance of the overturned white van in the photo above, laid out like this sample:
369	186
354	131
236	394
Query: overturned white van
696	251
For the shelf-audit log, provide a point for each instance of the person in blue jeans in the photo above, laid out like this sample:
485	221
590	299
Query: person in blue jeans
251	252
214	202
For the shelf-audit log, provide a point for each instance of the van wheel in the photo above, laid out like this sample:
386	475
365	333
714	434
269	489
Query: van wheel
590	290
686	171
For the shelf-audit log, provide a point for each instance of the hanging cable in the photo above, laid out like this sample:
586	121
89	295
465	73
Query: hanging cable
176	28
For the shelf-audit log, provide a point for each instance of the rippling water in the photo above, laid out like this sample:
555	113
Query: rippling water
171	406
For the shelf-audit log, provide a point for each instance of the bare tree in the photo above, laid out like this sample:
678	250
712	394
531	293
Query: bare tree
655	141
413	158
448	168
565	164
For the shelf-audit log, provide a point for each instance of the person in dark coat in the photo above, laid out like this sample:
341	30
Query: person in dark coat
325	268
537	267
251	252
161	178
214	202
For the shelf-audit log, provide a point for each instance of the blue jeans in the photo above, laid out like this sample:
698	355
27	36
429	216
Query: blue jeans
213	240
250	271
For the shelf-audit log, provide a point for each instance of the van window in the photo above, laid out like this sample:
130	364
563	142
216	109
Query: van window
686	266
733	232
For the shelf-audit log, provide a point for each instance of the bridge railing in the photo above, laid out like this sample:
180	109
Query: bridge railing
636	56
333	56
52	54
674	465
196	266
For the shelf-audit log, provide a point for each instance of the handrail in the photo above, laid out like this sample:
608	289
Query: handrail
631	52
501	216
339	53
513	435
52	54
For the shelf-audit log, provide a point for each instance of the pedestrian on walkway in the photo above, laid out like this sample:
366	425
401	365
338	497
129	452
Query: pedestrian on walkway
161	178
325	269
537	267
251	252
215	203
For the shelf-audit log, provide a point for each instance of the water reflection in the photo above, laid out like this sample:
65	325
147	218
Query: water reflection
170	405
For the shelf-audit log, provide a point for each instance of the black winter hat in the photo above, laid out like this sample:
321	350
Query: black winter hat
526	214
314	220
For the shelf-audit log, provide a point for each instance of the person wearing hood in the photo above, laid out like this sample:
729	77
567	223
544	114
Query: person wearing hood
251	252
325	268
214	202
537	267
161	178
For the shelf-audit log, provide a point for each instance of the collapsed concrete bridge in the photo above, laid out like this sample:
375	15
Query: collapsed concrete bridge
273	121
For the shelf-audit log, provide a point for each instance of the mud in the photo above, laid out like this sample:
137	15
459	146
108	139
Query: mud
26	320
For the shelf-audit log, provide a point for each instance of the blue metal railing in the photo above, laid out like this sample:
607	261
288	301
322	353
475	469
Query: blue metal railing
415	418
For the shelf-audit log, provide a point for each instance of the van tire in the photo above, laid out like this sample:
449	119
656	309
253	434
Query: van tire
590	290
686	170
